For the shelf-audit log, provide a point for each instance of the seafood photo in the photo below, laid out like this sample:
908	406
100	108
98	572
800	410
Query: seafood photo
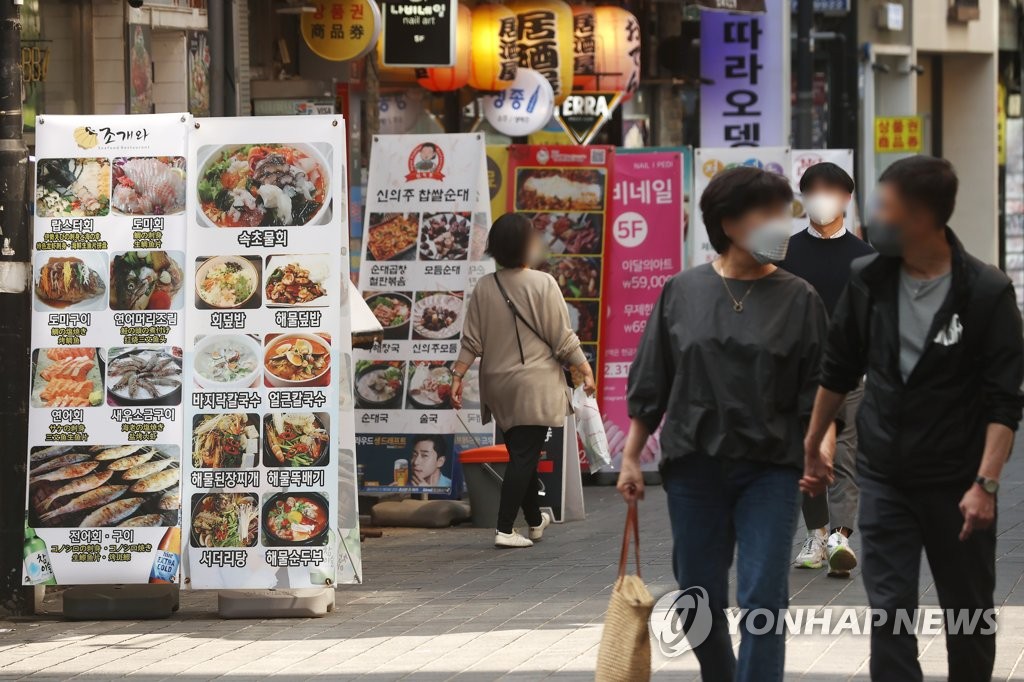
295	518
66	377
150	376
226	361
225	441
295	440
149	185
70	281
72	188
103	486
296	280
445	236
392	236
224	520
292	359
145	280
263	185
437	316
227	282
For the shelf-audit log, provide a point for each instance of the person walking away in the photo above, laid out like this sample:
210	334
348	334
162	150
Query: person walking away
518	325
821	255
939	334
729	360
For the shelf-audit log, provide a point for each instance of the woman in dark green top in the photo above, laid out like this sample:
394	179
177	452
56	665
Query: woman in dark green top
728	367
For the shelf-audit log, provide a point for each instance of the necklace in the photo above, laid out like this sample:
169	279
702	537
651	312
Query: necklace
737	304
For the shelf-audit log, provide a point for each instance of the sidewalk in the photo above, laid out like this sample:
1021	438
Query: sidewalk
442	604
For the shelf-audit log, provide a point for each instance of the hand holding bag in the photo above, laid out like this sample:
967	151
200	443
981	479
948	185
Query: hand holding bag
590	428
625	651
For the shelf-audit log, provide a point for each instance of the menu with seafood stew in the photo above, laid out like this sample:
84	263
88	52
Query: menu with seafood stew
428	214
108	299
268	454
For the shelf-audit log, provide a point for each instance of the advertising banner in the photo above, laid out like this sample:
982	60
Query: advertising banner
428	213
647	224
269	463
564	191
710	162
105	413
802	159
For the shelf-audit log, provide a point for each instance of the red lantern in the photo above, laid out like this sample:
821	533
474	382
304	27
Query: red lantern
495	57
617	55
448	78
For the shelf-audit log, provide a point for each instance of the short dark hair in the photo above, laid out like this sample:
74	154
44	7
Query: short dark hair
508	239
440	447
736	191
927	181
828	174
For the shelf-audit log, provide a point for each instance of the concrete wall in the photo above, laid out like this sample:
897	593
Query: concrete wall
108	84
933	32
59	91
170	56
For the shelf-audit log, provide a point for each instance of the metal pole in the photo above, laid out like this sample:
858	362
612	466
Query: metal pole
218	56
14	316
804	74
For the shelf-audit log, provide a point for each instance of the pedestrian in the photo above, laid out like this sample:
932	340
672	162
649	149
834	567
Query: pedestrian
939	334
821	255
729	360
518	325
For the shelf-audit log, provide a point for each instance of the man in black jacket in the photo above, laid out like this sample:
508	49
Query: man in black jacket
939	334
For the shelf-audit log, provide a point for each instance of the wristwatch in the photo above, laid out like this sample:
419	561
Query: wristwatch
989	485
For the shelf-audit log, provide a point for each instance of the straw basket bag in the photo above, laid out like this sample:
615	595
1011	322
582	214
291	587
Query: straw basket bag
625	652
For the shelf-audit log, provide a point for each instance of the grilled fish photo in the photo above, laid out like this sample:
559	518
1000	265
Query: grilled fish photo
64	281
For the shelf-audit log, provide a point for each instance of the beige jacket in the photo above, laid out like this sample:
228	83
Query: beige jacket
515	393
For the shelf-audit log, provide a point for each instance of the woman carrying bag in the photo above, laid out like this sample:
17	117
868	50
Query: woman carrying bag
518	325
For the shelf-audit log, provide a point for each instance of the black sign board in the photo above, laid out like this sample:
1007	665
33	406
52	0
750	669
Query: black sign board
582	114
731	5
419	33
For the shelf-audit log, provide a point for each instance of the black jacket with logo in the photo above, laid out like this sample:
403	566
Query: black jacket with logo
930	429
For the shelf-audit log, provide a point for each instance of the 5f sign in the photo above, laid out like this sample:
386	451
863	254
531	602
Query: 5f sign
630	229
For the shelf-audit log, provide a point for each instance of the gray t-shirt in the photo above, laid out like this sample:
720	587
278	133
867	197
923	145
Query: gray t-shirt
919	301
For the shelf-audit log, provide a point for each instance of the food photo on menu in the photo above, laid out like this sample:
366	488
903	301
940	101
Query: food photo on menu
392	236
437	315
224	362
71	283
560	189
297	281
404	461
224	520
228	283
297	360
577	276
147	280
104	486
379	384
571	233
153	185
143	376
445	236
430	385
393	309
296	439
67	377
264	185
583	317
225	441
72	188
295	518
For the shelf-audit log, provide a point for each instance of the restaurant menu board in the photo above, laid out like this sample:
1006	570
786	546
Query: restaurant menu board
645	249
269	467
564	191
427	218
710	162
108	292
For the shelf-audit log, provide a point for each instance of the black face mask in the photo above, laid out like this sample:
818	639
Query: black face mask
887	240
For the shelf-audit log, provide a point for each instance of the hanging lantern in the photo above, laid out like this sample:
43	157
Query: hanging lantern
545	41
584	46
495	53
617	54
448	78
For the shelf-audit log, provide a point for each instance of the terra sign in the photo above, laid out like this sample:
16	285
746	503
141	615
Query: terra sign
583	114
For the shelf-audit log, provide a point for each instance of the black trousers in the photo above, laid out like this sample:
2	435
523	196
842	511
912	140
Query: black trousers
895	525
521	485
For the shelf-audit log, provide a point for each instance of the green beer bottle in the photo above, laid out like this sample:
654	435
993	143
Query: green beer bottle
37	561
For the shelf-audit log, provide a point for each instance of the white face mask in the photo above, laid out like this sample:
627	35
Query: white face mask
770	242
823	209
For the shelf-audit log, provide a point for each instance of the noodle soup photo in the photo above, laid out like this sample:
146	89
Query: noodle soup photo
297	360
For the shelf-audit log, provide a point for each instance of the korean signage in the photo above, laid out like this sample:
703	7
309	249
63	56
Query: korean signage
900	134
428	215
343	30
564	190
523	108
745	102
545	38
802	159
646	231
419	33
583	114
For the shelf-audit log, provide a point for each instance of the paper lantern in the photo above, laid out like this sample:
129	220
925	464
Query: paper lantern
584	46
617	54
495	53
545	41
448	78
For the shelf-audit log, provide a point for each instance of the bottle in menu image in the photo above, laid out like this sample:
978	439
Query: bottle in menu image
37	560
168	556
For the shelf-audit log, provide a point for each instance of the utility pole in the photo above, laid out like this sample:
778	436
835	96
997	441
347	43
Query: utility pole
804	74
15	306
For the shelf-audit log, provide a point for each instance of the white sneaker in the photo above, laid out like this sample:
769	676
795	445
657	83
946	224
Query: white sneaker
812	554
511	540
537	532
841	557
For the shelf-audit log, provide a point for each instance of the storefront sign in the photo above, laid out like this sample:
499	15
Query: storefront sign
645	249
802	159
710	162
744	104
35	62
898	134
342	31
583	114
428	214
563	190
105	410
419	33
523	108
269	425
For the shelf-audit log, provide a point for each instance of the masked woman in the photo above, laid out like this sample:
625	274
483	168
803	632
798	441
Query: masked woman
728	368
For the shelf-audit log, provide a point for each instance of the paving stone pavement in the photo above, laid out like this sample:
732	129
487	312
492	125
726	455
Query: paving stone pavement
444	605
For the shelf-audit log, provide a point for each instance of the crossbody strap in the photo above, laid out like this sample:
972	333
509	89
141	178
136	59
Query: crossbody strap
516	318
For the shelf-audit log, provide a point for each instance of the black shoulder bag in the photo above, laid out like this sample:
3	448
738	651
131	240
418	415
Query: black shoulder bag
516	318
